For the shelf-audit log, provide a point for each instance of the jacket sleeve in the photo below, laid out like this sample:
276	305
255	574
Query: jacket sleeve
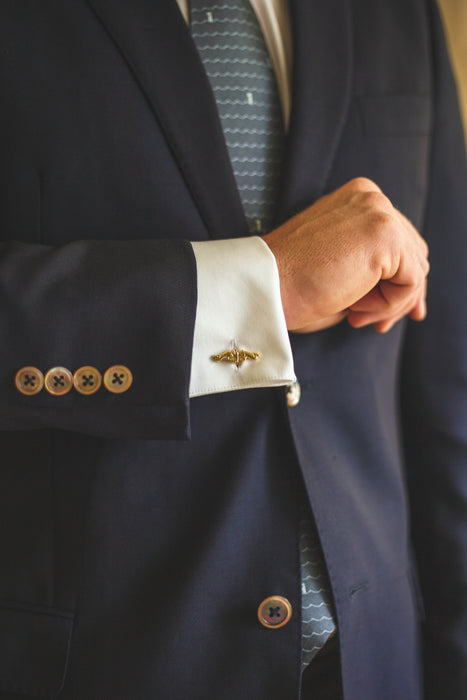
433	394
99	303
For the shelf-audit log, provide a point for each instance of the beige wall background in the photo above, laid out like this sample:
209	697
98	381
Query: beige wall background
454	13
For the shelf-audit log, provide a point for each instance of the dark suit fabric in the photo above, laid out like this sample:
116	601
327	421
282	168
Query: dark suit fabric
140	532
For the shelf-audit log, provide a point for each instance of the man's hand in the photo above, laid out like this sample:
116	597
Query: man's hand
351	254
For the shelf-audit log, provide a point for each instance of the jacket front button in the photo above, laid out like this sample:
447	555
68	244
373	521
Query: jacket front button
294	393
29	380
274	612
87	380
118	379
58	381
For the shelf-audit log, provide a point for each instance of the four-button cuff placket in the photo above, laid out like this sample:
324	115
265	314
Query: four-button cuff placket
58	381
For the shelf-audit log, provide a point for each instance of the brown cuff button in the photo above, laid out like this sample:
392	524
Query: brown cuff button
87	380
274	612
29	380
118	379
58	381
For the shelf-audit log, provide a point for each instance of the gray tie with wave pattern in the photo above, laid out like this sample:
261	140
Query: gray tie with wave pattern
232	48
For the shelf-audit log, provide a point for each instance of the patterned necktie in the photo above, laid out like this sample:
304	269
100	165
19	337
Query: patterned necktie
317	608
232	48
231	45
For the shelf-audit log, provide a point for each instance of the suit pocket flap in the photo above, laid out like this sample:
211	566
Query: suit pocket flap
34	646
395	115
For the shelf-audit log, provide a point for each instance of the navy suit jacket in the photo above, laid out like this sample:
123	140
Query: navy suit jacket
140	531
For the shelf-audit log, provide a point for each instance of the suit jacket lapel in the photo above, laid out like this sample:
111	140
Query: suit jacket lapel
321	89
155	41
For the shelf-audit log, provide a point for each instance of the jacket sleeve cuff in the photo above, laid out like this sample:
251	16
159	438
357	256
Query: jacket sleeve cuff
240	336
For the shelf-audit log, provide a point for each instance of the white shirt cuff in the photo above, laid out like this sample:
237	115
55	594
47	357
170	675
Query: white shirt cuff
240	338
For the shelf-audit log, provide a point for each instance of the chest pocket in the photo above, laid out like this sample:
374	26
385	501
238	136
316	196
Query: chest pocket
395	137
395	114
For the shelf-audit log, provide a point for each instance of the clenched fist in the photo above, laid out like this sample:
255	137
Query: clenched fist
351	254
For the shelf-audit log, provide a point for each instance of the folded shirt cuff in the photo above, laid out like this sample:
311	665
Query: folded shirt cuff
240	337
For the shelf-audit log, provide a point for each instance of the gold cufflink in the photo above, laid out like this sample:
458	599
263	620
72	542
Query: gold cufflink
236	355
